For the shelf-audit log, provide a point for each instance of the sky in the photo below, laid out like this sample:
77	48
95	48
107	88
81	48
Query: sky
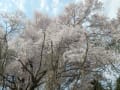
51	7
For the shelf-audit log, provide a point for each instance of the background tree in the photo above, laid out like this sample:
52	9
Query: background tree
60	53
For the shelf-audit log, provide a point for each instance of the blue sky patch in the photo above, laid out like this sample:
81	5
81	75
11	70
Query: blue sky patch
51	7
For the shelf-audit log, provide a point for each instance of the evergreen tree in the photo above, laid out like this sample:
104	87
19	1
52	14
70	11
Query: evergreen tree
117	84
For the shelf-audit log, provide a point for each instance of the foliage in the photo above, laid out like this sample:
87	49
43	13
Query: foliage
117	84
